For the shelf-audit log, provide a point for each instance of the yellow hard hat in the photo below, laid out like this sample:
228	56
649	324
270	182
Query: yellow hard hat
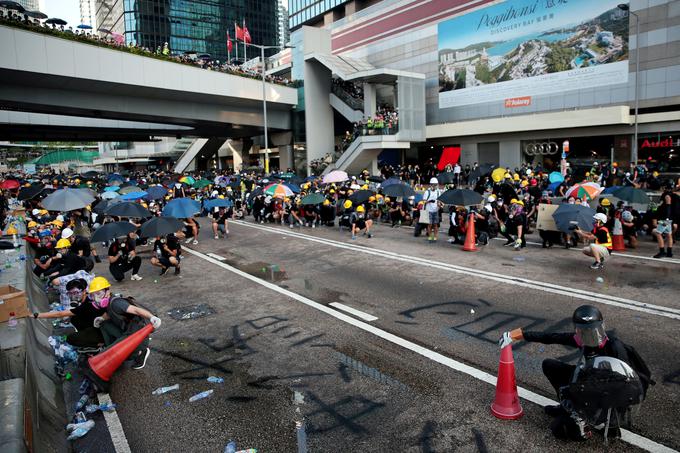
332	191
515	177
587	174
655	174
606	202
32	224
58	223
97	284
520	202
12	230
360	208
379	196
524	183
387	199
350	192
77	181
364	187
327	202
43	212
348	204
371	199
63	244
507	176
513	201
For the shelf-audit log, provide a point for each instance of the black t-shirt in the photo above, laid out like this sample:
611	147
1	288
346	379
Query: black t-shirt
42	251
71	263
601	235
84	314
81	244
221	217
125	247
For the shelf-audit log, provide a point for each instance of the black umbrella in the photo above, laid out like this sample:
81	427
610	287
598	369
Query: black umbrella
361	196
446	177
12	6
375	179
480	171
67	200
112	230
56	21
257	191
632	195
160	226
128	209
36	14
461	197
103	205
90	174
398	190
26	193
567	216
313	198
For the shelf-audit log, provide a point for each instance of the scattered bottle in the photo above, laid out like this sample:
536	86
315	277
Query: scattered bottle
79	417
200	396
82	402
12	322
92	408
84	388
215	380
161	390
78	430
231	447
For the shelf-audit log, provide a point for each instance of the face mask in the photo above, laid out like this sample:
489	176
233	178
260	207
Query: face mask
101	299
75	294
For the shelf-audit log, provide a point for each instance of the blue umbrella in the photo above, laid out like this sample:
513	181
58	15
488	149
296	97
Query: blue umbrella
133	196
110	195
217	203
112	189
610	190
182	208
553	186
556	176
156	192
294	187
85	27
116	177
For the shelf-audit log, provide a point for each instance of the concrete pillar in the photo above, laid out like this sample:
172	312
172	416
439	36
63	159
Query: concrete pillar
286	157
370	100
468	153
510	153
350	8
375	171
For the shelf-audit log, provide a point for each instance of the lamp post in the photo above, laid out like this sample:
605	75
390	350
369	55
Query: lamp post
625	7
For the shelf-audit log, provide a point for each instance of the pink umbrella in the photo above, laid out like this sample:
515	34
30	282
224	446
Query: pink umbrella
118	38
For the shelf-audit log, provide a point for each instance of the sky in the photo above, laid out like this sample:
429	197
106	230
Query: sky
69	10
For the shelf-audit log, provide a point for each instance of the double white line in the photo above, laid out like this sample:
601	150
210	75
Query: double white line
589	296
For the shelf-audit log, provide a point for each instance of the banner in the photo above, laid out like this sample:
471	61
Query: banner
523	48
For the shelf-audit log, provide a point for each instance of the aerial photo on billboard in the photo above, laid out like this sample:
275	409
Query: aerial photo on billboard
531	47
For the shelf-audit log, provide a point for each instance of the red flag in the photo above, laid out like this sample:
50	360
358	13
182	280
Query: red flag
450	155
229	44
246	35
239	33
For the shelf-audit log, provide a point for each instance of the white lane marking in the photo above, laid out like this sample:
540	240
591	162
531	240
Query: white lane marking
354	311
590	296
118	438
216	256
631	438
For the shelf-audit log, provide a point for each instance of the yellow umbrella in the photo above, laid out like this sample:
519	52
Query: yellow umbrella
498	174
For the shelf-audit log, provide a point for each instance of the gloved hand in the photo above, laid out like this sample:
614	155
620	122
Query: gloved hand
508	337
518	242
98	321
155	322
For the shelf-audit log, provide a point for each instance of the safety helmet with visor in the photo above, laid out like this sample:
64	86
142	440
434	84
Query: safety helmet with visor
589	327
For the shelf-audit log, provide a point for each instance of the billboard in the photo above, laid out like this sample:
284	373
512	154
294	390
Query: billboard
523	48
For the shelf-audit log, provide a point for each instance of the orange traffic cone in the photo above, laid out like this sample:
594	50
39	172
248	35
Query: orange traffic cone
469	245
618	244
107	362
506	404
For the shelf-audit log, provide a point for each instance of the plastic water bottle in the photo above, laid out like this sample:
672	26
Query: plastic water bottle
200	396
12	321
161	390
82	402
92	408
80	429
231	447
215	380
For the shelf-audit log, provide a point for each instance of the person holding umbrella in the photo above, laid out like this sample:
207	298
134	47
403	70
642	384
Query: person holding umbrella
603	241
123	257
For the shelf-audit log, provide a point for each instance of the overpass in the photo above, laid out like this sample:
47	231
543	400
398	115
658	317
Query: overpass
57	87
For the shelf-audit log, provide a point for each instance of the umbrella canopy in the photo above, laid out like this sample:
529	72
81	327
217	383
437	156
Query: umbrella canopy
218	203
555	176
36	14
378	179
104	205
155	192
64	200
91	174
480	171
567	216
589	190
116	177
133	196
553	186
398	190
313	198
361	196
498	174
390	181
335	176
287	175
160	226
201	183
278	190
27	193
85	27
610	190
128	209
56	21
112	230
181	208
256	191
461	197
12	6
294	187
129	189
110	195
9	184
447	177
111	189
632	195
188	180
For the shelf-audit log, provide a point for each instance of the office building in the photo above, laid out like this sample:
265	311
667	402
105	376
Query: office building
30	5
88	13
283	30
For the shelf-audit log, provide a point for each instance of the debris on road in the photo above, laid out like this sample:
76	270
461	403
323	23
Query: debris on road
161	390
200	396
79	430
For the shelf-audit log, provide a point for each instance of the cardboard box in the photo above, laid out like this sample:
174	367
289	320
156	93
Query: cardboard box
545	219
12	300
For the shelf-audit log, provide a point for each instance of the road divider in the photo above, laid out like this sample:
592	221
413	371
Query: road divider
354	311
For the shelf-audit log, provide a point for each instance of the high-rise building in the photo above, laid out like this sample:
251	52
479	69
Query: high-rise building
30	5
322	12
88	13
191	25
284	30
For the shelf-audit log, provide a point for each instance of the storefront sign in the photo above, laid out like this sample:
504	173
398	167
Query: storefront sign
658	143
524	101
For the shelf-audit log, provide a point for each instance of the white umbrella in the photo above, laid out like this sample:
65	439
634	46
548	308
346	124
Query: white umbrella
110	195
335	176
67	200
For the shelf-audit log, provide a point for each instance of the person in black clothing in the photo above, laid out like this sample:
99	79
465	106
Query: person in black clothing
64	262
591	338
220	220
44	252
167	252
123	257
516	224
665	223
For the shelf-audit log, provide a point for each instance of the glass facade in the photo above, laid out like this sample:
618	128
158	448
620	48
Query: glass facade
301	11
191	25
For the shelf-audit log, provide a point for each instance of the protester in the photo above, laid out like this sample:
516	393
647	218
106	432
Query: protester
220	220
360	223
123	257
665	224
167	254
602	246
432	206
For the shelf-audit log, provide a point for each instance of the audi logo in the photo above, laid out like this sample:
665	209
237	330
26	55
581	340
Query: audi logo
541	149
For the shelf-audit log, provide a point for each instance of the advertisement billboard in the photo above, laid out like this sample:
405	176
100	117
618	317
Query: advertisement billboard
524	48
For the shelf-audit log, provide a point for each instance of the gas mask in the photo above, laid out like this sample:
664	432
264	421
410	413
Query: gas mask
101	299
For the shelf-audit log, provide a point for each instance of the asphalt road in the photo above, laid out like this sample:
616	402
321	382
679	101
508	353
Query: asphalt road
288	364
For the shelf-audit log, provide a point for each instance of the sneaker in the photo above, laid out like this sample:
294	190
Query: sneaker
177	270
370	235
187	241
136	277
195	242
313	225
596	265
217	236
292	226
164	270
450	240
261	222
97	259
354	236
226	233
140	360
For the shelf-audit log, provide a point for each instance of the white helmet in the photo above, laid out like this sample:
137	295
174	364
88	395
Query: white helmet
601	217
66	233
627	216
434	181
60	218
35	212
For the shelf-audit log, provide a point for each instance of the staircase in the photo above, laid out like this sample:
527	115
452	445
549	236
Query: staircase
181	146
363	153
201	147
349	107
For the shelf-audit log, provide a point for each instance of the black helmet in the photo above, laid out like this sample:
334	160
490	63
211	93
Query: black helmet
589	326
587	314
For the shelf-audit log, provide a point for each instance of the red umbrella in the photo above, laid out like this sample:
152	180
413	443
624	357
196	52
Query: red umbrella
9	184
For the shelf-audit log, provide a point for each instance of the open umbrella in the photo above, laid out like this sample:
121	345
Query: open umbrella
188	180
128	209
278	190
56	21
218	203
181	208
85	27
64	200
555	176
498	174
9	184
103	205
567	216
335	176
111	189
399	190
36	14
155	192
632	195
447	177
588	190
27	193
294	187
110	195
553	186
361	196
201	183
390	181
480	171
313	198
160	226
90	174
112	230
256	191
15	6
129	189
461	197
133	196
287	175
610	190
